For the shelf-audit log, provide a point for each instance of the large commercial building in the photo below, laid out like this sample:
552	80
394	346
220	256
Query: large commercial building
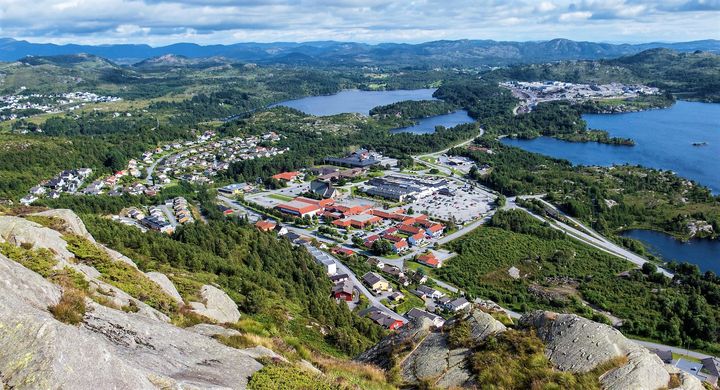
402	188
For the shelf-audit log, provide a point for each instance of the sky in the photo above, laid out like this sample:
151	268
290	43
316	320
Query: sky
162	22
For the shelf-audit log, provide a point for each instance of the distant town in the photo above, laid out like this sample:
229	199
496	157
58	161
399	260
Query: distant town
24	105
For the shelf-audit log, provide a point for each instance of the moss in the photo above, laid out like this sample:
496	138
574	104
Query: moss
71	308
516	360
120	275
53	223
40	260
287	377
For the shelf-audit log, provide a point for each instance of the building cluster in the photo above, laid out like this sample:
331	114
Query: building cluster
201	161
361	158
536	92
162	218
403	188
68	181
24	105
408	230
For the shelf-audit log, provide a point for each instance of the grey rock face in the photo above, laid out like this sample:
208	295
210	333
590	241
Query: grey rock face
423	354
18	231
577	344
483	325
216	305
73	223
164	282
111	349
211	330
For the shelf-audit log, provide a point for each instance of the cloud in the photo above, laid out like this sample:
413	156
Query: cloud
226	21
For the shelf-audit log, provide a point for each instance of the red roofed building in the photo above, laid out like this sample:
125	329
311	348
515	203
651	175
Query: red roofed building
265	226
400	246
321	203
417	239
342	251
436	230
287	176
410	229
430	260
370	239
298	208
392	237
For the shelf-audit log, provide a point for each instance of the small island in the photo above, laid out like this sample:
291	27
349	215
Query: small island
703	143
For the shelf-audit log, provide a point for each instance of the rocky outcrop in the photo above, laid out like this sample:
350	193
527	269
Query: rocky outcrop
72	223
166	284
423	353
211	330
483	325
19	231
110	349
216	305
579	345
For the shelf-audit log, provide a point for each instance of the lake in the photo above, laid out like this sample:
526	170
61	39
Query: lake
663	140
362	102
703	252
427	125
355	100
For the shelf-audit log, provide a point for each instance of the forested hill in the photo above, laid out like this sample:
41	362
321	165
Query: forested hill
688	75
437	53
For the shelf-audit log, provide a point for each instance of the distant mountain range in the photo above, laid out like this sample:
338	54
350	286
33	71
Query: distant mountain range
437	53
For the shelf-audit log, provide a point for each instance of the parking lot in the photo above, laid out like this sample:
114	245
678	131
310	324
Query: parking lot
467	204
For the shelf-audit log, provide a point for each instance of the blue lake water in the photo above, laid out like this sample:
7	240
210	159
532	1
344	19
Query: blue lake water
354	100
703	252
427	125
362	102
663	140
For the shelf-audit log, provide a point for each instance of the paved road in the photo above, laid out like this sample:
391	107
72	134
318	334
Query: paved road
239	208
593	239
374	301
151	169
169	214
648	344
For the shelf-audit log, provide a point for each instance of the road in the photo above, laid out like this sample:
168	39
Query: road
151	170
169	215
681	351
374	301
593	239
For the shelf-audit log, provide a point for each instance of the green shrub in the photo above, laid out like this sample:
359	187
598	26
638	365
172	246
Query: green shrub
40	260
286	377
71	307
120	274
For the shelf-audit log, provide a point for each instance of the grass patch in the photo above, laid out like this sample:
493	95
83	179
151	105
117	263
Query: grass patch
71	308
287	377
40	260
280	197
120	275
410	301
53	223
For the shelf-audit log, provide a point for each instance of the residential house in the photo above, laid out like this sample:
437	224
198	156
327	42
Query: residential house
375	262
430	292
457	305
339	278
396	296
400	246
383	319
265	225
28	199
376	282
417	238
417	314
37	190
281	230
430	260
343	290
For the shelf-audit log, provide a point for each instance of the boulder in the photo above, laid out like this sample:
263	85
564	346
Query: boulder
117	256
110	349
579	345
483	325
166	284
216	305
72	223
422	353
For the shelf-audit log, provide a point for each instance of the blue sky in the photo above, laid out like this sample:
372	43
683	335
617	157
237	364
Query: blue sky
160	22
